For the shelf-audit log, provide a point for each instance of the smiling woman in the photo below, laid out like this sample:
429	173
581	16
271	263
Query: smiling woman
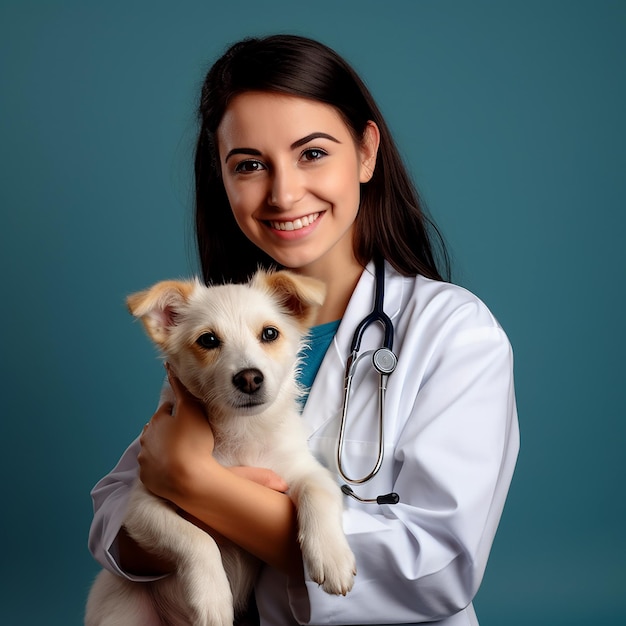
295	167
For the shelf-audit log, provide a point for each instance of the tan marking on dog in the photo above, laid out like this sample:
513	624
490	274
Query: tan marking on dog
157	306
202	355
300	295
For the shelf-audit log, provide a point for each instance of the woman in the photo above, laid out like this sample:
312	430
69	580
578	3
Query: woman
295	167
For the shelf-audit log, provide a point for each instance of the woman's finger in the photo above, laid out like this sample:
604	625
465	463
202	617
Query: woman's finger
185	403
173	380
181	393
166	409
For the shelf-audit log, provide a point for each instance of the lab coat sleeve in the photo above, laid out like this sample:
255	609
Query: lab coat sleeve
423	559
110	499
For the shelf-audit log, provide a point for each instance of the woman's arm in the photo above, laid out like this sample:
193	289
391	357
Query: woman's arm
138	561
117	551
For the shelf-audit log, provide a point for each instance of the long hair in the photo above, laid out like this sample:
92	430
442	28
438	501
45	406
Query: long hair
391	222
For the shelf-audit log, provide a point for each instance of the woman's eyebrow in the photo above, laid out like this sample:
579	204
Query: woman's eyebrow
304	140
249	151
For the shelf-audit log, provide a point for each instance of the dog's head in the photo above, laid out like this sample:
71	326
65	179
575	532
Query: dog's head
233	346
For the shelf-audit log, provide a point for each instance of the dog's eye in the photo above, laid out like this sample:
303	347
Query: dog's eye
208	341
269	334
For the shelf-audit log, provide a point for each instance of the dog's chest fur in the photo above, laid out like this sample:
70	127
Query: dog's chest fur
246	440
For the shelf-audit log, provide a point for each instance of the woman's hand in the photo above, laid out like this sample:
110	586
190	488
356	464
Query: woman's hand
176	446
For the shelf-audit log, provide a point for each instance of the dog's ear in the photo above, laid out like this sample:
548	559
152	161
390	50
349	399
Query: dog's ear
159	307
300	295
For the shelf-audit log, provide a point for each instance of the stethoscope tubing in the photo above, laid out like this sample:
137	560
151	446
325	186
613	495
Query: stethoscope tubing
352	362
377	315
384	361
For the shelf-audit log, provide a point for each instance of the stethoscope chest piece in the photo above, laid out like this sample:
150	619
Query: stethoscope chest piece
384	361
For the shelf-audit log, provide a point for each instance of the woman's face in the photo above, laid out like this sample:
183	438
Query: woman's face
292	170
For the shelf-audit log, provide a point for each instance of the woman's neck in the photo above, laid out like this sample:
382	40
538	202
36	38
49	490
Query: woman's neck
340	283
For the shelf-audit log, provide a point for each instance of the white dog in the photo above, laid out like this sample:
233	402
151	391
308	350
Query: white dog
235	347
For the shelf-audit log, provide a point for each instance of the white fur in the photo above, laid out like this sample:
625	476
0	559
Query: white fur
212	584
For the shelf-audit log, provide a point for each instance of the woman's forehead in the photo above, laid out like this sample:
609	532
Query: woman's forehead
263	116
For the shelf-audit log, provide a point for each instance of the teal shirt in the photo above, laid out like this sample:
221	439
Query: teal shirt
312	355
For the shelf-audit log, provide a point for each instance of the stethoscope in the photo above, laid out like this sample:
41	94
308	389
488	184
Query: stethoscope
384	362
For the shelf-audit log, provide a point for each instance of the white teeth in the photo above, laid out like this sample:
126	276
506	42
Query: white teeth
296	224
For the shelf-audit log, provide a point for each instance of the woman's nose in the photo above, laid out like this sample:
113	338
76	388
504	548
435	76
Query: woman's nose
286	187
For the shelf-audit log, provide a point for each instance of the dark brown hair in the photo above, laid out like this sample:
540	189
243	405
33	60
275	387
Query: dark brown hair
391	222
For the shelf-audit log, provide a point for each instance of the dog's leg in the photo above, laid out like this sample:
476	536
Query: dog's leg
113	600
242	570
325	549
206	593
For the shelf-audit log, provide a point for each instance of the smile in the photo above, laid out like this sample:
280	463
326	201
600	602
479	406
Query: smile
297	224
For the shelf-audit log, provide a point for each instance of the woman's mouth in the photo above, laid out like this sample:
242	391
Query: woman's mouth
297	224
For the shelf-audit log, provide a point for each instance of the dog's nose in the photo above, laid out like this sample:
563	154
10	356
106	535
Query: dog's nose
249	381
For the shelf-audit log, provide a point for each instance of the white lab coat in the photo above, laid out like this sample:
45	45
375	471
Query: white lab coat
451	442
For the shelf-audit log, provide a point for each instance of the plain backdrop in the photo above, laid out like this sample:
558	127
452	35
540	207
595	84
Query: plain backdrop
511	118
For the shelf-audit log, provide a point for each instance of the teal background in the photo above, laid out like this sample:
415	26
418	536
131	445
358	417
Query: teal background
511	117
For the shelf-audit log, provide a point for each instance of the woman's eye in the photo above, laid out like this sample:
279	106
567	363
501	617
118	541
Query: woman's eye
313	154
269	334
208	341
249	166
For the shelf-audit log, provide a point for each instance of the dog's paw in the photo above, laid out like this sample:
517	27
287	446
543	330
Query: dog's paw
331	563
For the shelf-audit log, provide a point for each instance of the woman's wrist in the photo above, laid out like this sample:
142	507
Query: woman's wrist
193	482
